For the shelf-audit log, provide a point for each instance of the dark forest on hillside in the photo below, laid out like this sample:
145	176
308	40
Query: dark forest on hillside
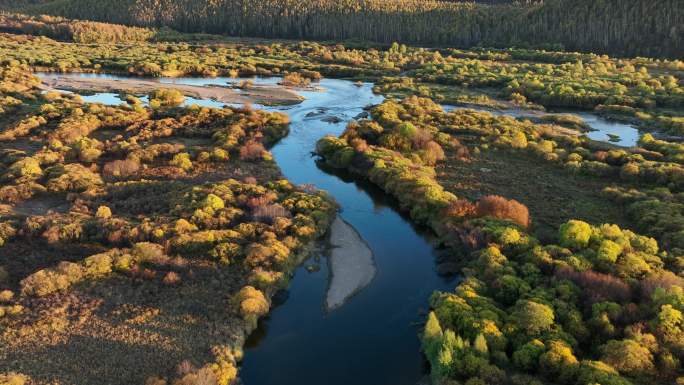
639	27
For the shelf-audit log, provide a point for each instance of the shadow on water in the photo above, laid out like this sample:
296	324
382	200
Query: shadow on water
373	339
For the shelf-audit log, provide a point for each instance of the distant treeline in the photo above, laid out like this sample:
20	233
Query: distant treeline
619	27
73	30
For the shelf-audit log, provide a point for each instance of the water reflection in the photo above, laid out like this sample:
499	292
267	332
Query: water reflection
602	130
373	338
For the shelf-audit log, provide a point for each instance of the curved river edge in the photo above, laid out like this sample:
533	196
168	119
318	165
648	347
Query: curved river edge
372	339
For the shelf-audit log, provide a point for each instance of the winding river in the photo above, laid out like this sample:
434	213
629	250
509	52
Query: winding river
372	339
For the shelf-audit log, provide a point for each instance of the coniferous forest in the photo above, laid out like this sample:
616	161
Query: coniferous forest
638	27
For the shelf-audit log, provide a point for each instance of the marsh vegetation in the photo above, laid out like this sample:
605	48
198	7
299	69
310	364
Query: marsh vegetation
165	228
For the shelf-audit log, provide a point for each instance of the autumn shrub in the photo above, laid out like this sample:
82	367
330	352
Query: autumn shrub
147	251
121	168
628	357
269	213
461	208
87	149
272	254
533	317
295	79
575	234
359	145
43	282
598	372
220	155
6	296
204	376
502	208
71	177
252	303
26	167
172	278
261	200
103	212
432	153
558	361
167	97
13	378
226	252
252	151
597	286
182	161
663	280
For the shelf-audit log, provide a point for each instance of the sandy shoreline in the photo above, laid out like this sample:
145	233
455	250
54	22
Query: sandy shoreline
351	264
259	94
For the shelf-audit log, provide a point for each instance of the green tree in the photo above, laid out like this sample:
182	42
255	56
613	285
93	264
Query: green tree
480	344
532	317
432	336
669	325
527	357
628	356
558	360
575	234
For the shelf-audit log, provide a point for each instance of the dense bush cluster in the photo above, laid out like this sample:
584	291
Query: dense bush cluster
164	196
586	82
655	164
644	90
601	305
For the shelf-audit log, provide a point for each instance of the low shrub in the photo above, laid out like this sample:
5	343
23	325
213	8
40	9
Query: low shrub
12	378
182	161
72	177
252	151
121	168
166	97
502	208
252	303
295	79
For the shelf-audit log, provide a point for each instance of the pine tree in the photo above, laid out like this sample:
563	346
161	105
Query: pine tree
480	344
432	336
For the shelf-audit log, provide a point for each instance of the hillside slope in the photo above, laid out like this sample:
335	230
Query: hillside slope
637	27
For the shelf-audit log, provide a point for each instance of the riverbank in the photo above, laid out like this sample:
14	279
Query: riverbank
157	257
515	284
260	94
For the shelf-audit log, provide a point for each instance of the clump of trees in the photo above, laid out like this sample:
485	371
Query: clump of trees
573	316
77	31
591	307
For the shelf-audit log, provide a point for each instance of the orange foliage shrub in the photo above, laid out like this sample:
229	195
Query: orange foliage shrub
172	278
252	150
502	208
461	208
121	168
